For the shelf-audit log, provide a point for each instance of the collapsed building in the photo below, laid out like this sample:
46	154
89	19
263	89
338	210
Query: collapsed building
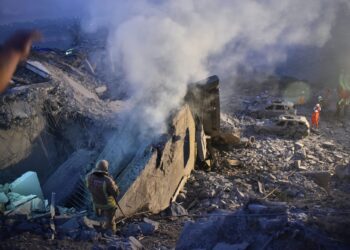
54	122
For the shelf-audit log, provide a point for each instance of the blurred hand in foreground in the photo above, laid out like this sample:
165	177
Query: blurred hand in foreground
14	50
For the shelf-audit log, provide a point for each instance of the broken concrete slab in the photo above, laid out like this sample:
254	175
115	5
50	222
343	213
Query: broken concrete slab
201	140
38	68
154	178
204	100
27	184
3	198
17	199
67	176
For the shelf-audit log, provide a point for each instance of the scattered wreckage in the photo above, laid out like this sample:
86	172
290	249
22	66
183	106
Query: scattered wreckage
286	125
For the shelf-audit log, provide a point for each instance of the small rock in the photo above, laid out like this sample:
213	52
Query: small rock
176	209
181	197
328	145
342	172
233	162
321	178
132	229
148	227
135	244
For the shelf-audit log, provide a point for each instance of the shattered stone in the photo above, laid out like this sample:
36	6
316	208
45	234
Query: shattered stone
233	162
132	229
343	172
321	178
328	145
135	244
101	90
176	209
3	198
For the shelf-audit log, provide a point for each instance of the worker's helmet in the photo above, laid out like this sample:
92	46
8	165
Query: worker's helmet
102	166
318	105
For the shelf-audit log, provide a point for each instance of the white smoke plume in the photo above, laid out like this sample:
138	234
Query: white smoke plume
161	46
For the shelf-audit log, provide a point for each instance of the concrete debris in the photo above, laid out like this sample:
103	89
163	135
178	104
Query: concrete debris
176	209
100	90
27	184
321	178
343	172
3	198
253	229
145	228
38	68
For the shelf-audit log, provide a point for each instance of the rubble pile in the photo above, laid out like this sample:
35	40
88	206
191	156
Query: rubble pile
268	225
247	191
50	118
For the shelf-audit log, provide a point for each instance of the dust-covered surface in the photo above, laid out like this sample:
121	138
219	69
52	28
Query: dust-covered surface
43	121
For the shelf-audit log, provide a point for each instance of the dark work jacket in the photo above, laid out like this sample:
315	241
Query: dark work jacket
103	189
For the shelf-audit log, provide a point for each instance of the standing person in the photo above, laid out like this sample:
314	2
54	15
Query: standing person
15	50
104	193
315	118
301	100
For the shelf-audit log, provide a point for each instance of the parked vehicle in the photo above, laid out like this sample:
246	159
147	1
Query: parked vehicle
274	109
286	125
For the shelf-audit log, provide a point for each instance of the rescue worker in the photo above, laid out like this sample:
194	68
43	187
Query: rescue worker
301	100
320	100
104	193
315	118
340	108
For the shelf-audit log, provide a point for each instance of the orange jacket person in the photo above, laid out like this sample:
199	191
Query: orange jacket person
315	118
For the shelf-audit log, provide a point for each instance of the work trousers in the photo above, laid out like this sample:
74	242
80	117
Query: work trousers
109	217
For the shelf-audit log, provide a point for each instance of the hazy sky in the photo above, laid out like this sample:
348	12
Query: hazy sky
26	10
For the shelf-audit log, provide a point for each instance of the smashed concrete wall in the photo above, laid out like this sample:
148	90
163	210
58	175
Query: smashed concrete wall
44	120
204	100
21	122
154	177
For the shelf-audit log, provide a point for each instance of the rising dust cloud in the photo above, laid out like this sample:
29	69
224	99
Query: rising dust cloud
161	46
